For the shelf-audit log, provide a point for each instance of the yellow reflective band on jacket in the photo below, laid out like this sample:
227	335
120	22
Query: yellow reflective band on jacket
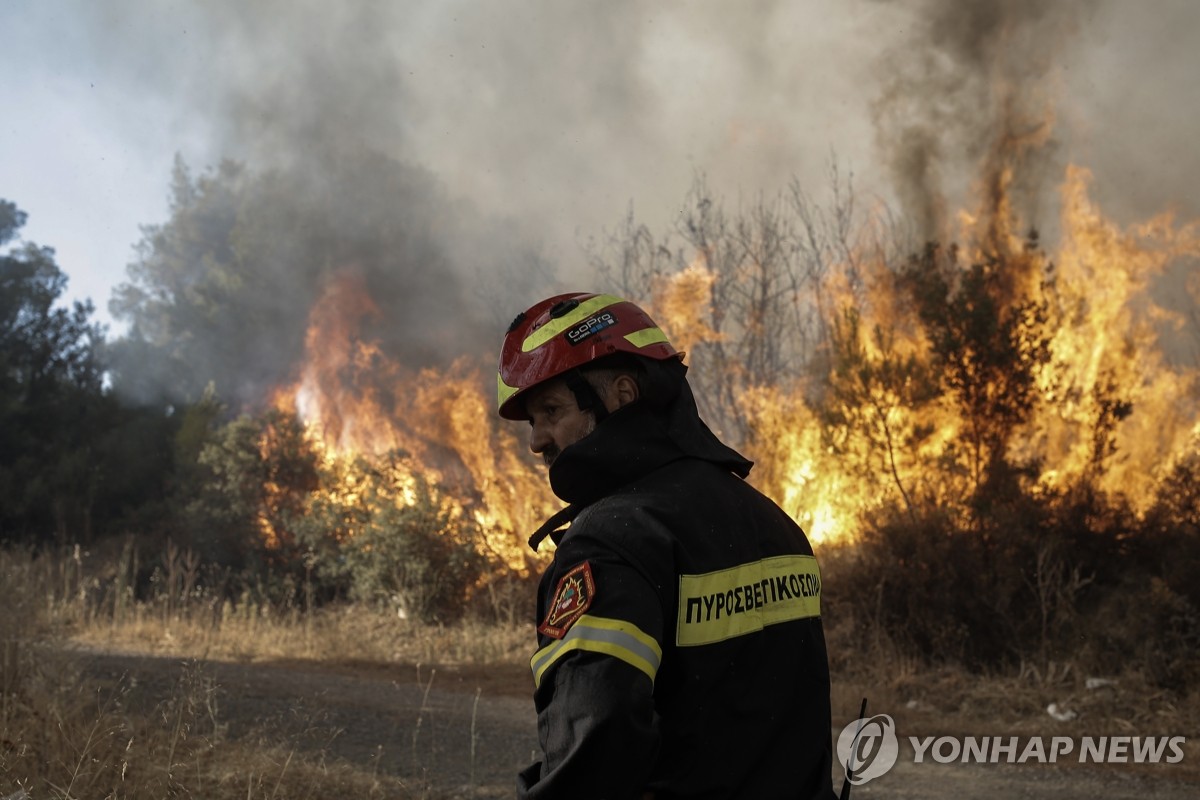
646	336
576	315
733	602
613	637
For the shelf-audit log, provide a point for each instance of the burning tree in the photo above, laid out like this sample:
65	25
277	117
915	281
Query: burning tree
988	423
316	345
941	376
886	389
988	346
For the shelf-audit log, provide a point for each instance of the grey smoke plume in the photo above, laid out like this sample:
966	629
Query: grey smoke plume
358	122
491	138
971	91
310	97
987	100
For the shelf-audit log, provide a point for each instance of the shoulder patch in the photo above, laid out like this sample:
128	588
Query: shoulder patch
572	598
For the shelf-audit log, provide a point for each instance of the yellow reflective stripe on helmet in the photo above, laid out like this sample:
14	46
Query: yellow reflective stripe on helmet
613	637
503	390
577	314
646	336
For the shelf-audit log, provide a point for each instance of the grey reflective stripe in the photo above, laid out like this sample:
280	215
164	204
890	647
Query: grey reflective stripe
616	638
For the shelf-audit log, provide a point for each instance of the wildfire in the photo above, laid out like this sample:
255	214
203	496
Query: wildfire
362	409
1108	407
1112	340
861	426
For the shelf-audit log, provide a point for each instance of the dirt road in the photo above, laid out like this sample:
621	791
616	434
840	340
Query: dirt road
464	732
424	725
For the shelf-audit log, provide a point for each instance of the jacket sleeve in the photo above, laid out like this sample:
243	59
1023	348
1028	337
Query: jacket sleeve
597	733
595	678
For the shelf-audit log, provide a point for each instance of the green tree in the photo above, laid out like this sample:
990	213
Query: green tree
180	300
251	482
392	540
52	402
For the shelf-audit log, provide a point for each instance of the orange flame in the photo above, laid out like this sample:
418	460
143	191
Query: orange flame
887	441
1106	374
358	403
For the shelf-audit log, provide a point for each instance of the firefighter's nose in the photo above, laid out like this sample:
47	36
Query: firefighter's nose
539	438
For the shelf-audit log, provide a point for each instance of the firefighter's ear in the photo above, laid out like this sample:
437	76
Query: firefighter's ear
623	391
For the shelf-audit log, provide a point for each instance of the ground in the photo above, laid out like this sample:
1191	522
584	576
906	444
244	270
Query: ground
465	731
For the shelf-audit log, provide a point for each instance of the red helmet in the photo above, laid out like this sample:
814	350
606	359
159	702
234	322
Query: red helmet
567	331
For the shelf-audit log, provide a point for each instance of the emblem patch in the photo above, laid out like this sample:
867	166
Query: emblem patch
572	598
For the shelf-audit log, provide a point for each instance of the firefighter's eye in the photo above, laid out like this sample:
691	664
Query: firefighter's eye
544	412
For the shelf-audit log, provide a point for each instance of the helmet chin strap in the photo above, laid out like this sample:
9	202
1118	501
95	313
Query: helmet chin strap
585	395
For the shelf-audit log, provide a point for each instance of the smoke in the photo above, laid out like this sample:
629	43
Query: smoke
457	153
452	156
312	98
988	101
973	90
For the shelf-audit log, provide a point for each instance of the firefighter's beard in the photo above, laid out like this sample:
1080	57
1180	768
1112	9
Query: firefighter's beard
553	450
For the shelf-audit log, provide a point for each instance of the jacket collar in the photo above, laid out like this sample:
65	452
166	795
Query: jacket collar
629	444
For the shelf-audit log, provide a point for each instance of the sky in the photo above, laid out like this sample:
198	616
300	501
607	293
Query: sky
554	118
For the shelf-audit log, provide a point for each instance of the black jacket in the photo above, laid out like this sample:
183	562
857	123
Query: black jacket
680	648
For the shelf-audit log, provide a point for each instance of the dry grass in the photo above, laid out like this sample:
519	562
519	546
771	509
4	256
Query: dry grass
350	633
947	699
64	736
89	599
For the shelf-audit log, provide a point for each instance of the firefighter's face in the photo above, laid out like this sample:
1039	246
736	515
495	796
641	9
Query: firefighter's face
555	419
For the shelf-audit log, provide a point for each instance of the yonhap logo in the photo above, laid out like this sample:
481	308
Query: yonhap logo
868	748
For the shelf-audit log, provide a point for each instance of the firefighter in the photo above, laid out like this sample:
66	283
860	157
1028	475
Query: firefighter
680	651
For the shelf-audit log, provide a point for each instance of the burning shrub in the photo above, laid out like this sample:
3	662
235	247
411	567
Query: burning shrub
373	529
1178	500
946	594
256	473
394	539
1151	618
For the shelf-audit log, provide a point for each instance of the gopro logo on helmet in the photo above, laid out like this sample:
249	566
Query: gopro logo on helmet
589	327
